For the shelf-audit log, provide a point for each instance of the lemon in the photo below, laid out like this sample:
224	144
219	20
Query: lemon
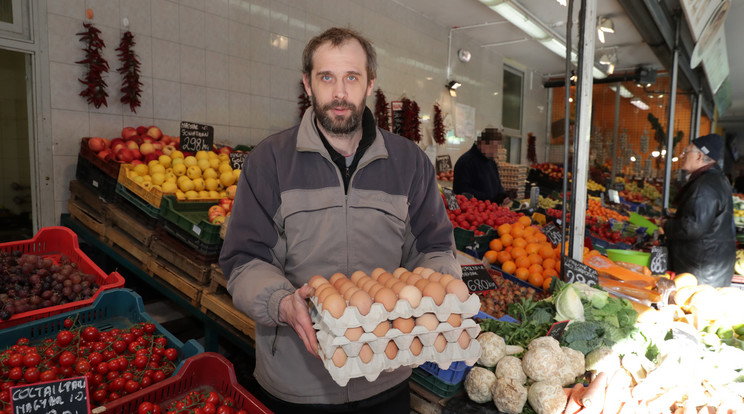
223	158
176	154
212	155
140	169
225	167
176	161
147	178
198	184
186	185
157	168
214	163
210	173
214	194
192	195
158	178
180	195
138	179
236	173
179	170
193	172
153	162
227	179
170	187
211	183
203	164
201	155
203	194
190	160
170	176
165	160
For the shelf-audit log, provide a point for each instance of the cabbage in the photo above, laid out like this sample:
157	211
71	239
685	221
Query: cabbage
568	305
597	297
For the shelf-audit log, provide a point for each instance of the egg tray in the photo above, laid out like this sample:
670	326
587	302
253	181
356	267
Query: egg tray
355	367
352	318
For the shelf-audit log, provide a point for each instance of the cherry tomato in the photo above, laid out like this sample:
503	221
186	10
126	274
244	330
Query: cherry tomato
15	360
158	376
117	384
213	398
100	395
23	341
31	359
146	408
15	373
31	375
140	361
102	368
137	332
149	328
225	409
47	375
95	358
209	408
131	386
119	347
127	337
67	323
82	366
90	334
171	354
145	381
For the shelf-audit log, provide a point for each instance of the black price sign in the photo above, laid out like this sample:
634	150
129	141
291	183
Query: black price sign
556	330
444	163
237	158
477	278
396	108
577	272
449	196
553	233
196	137
64	396
619	186
659	258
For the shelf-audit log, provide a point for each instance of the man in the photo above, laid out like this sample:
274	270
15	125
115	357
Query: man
701	235
333	194
477	174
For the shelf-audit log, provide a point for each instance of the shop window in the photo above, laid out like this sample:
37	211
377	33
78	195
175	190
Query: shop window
511	112
14	19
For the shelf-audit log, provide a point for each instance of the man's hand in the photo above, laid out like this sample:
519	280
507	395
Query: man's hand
507	202
293	311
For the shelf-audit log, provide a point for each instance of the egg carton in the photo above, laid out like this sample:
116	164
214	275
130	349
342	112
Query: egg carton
355	367
352	318
327	340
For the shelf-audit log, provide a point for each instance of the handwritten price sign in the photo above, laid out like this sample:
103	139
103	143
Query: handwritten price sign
659	256
477	278
196	137
63	396
581	273
553	233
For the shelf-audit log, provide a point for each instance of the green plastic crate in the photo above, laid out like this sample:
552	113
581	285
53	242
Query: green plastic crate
192	218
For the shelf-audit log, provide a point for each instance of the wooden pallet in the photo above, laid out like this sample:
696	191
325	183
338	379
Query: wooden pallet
190	289
122	218
82	193
217	279
125	244
85	215
173	252
220	304
424	401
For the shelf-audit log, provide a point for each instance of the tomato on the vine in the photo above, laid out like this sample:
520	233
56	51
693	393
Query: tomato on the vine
47	375
119	346
67	323
31	359
15	373
149	328
31	375
90	334
213	398
100	395
82	366
64	338
131	386
171	354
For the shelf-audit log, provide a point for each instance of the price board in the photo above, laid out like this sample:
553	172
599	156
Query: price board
659	260
237	158
450	198
196	137
444	163
556	330
619	186
477	278
553	233
69	395
579	272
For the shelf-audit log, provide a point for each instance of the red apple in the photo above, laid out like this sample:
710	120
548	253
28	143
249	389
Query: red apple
96	144
155	132
116	144
224	150
104	154
128	132
136	161
141	130
132	144
136	154
231	191
158	153
166	139
226	203
215	210
168	149
147	148
217	220
125	155
150	157
158	145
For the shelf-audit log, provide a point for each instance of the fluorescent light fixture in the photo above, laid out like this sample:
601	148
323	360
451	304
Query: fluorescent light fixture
624	92
519	19
639	104
557	47
454	84
663	153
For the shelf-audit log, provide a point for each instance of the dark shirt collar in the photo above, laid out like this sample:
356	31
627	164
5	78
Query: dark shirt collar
369	131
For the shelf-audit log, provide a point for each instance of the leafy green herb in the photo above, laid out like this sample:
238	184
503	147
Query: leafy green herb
535	320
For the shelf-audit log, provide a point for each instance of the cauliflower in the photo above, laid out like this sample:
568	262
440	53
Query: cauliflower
478	384
573	367
543	359
510	367
547	397
509	395
493	348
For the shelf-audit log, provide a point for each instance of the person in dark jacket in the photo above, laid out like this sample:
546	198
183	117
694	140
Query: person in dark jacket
477	174
701	236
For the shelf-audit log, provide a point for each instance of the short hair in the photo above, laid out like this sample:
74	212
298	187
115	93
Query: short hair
337	36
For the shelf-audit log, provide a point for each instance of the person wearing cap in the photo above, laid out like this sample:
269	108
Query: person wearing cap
477	174
701	236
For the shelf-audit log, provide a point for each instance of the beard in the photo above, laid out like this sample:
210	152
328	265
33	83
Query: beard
338	125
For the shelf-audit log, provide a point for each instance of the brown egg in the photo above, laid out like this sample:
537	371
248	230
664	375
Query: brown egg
362	301
455	320
404	276
446	279
391	350
405	325
440	343
316	281
323	292
374	288
411	294
434	277
384	278
377	272
340	282
339	357
399	271
428	321
321	288
382	329
397	286
464	339
390	282
354	333
348	292
418	270
416	346
459	289
435	291
335	305
413	279
364	283
426	272
421	284
366	353
387	298
357	275
345	286
335	277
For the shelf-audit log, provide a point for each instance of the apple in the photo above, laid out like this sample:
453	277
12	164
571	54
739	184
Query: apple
136	154
96	144
150	157
125	155
166	139
169	149
158	145
231	191
155	132
158	152
224	150
215	210
132	144
128	132
104	154
147	148
141	130
136	162
117	143
217	220
226	203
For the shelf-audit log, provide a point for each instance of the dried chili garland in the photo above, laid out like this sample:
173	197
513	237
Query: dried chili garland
95	87
382	114
303	101
439	134
130	69
410	124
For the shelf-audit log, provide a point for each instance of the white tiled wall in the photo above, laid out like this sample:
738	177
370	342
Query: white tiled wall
235	64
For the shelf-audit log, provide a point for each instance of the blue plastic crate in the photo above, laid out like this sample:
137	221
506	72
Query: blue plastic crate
452	375
115	308
505	318
434	384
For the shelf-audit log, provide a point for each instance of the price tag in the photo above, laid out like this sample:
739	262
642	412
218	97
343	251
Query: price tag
659	258
581	273
69	395
619	186
444	163
196	137
614	196
237	158
556	330
477	278
553	233
196	229
534	197
95	183
449	196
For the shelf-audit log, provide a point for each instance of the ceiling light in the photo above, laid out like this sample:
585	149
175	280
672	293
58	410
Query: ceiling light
606	25
452	87
654	154
632	158
600	36
675	159
561	2
519	19
624	92
639	104
464	55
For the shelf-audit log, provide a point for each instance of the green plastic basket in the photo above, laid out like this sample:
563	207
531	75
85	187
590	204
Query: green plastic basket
191	217
643	222
629	256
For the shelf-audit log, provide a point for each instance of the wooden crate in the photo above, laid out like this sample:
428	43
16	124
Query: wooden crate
126	219
190	289
82	193
177	254
220	304
83	214
217	279
424	401
125	244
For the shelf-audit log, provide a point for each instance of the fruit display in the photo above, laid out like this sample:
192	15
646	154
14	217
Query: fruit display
218	213
370	323
473	213
194	402
591	185
594	208
547	202
446	175
605	231
552	171
135	145
738	210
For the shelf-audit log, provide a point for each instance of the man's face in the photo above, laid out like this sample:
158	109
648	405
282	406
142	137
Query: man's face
489	149
338	86
689	158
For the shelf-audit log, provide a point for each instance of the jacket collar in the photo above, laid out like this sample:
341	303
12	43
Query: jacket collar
478	152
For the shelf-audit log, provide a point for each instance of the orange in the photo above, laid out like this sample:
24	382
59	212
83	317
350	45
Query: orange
529	230
525	221
535	258
518	252
541	237
508	248
507	239
535	268
517	231
495	244
532	248
519	242
503	256
557	266
504	229
522	273
491	256
546	251
546	283
530	238
548	273
522	261
509	267
535	279
548	264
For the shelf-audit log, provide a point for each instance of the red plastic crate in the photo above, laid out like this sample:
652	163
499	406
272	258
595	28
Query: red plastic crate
207	371
53	242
